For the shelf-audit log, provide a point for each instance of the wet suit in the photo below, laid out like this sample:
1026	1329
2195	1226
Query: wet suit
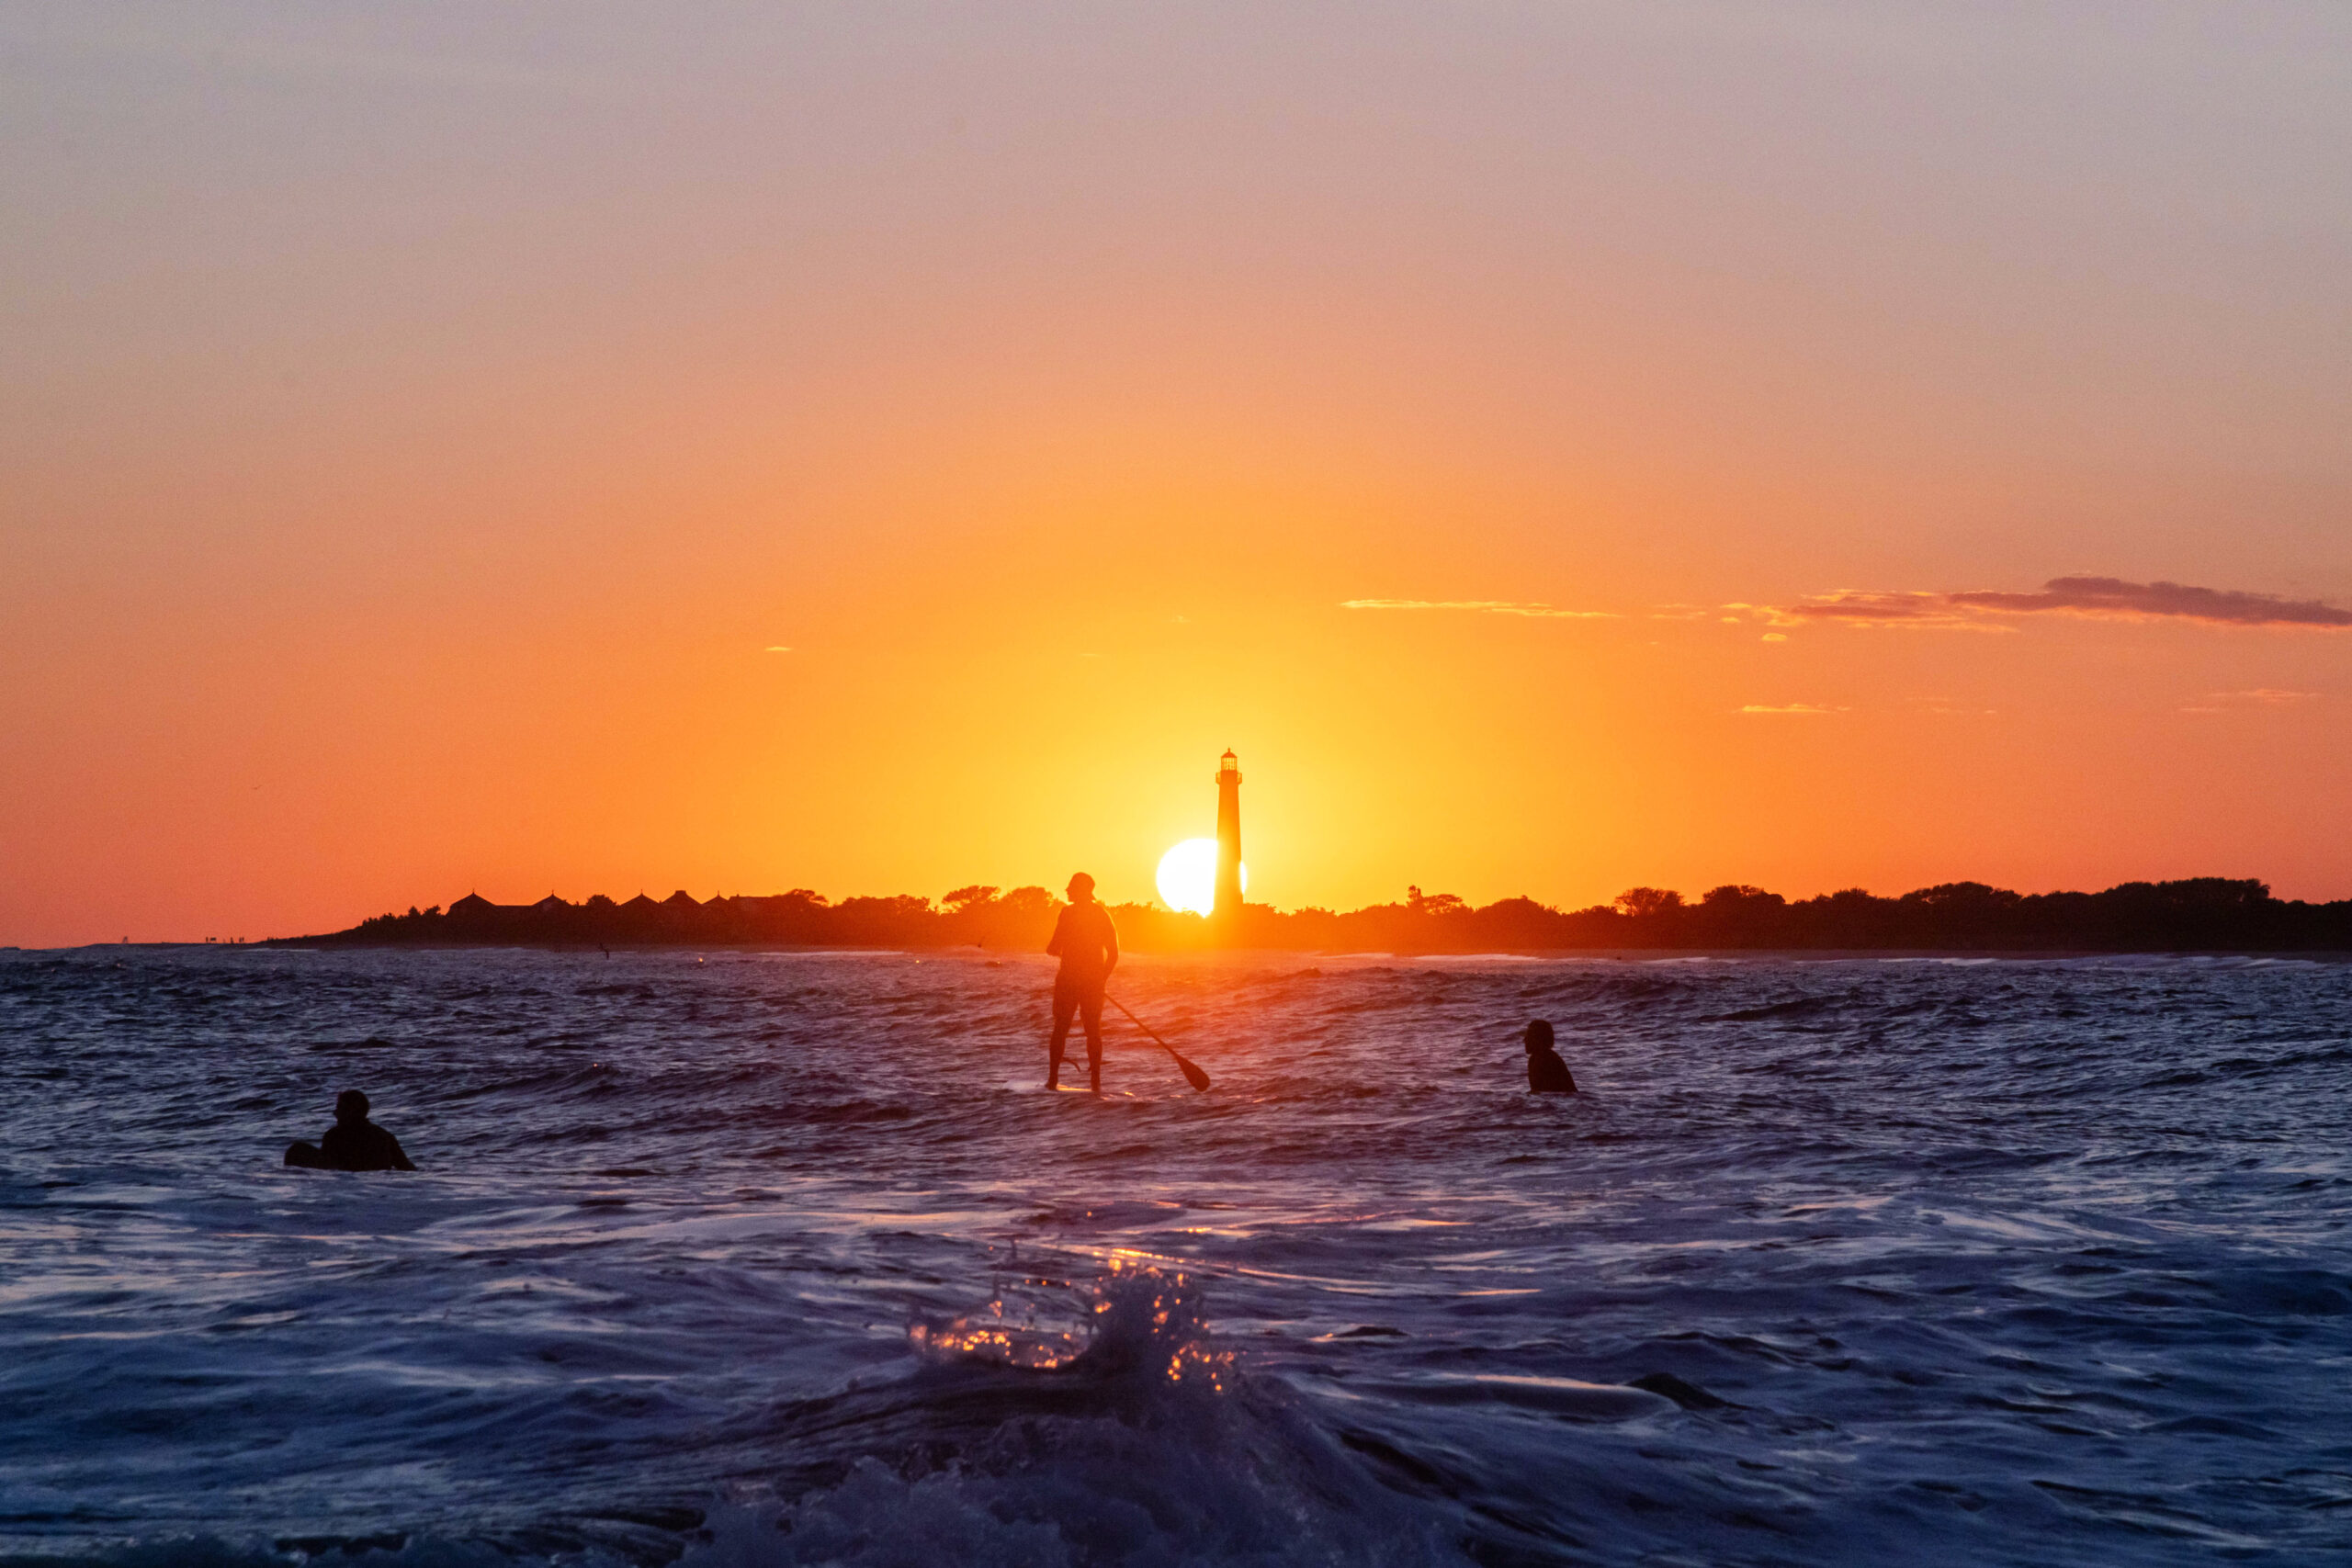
352	1146
1087	946
1546	1073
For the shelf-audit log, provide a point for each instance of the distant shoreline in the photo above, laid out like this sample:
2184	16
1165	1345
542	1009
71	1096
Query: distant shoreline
1621	954
2209	916
998	955
2215	916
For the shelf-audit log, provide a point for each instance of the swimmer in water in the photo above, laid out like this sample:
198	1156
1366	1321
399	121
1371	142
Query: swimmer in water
354	1143
1546	1073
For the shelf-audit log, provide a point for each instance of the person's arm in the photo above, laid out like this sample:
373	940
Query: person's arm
400	1154
1110	943
1061	924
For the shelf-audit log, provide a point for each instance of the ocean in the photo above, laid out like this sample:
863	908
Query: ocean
739	1258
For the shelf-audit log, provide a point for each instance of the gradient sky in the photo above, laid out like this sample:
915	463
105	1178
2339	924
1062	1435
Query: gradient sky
420	425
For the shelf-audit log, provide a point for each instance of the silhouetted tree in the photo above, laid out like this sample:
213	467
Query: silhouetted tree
1027	902
1737	915
1644	903
1849	918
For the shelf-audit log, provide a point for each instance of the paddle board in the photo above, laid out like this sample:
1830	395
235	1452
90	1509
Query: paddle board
1031	1086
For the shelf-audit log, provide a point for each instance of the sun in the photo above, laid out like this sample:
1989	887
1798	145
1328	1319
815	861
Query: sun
1188	876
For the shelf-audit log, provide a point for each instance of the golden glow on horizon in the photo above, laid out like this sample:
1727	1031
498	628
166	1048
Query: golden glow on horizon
1549	491
1187	876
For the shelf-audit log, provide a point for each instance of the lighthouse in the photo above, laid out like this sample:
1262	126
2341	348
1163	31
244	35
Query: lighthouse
1228	902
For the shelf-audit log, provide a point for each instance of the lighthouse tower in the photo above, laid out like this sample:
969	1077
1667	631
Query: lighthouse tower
1229	838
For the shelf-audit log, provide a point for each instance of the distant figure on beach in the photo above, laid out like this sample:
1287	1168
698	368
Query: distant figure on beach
354	1143
1546	1073
1089	949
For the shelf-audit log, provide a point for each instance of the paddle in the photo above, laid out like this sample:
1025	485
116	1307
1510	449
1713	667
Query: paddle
1193	1073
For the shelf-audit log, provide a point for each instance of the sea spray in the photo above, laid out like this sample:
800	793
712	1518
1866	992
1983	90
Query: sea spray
1134	1320
1125	1437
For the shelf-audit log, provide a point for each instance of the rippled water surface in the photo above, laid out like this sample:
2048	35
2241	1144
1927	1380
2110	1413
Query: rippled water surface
783	1258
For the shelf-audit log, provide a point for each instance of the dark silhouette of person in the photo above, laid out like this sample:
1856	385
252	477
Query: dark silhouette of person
1089	948
354	1143
1546	1073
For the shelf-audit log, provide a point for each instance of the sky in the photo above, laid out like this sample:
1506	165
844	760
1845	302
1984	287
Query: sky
875	447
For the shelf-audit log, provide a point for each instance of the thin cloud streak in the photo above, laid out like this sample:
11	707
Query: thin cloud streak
1793	710
2093	598
1484	607
2260	698
1914	612
2112	596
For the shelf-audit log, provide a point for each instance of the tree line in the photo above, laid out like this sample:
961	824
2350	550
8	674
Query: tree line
2198	913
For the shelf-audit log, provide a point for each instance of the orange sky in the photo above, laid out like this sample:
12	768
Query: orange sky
419	426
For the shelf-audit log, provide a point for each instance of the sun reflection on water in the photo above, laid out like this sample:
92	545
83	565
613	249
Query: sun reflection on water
1137	1320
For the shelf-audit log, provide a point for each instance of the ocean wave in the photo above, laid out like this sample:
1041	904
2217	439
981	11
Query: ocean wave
757	1262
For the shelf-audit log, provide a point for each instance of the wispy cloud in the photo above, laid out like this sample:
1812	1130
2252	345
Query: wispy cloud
775	647
1483	607
2260	698
2112	596
2097	598
1770	615
1917	612
1793	710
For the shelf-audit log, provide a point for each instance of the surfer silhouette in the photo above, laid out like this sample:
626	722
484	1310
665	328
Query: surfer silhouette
1087	946
1546	1073
354	1143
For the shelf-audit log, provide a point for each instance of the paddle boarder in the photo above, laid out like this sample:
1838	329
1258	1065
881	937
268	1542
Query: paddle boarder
1087	946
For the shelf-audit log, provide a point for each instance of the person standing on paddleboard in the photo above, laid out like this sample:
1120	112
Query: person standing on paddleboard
1089	949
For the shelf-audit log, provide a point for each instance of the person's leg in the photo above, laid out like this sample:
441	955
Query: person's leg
1091	1009
1065	1004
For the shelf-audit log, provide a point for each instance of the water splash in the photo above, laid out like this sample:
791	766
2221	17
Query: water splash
1137	1319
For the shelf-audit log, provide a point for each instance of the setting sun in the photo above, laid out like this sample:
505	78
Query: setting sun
1188	876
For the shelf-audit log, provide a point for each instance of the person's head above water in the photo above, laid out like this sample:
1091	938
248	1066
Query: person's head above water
1081	888
1539	1036
351	1105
